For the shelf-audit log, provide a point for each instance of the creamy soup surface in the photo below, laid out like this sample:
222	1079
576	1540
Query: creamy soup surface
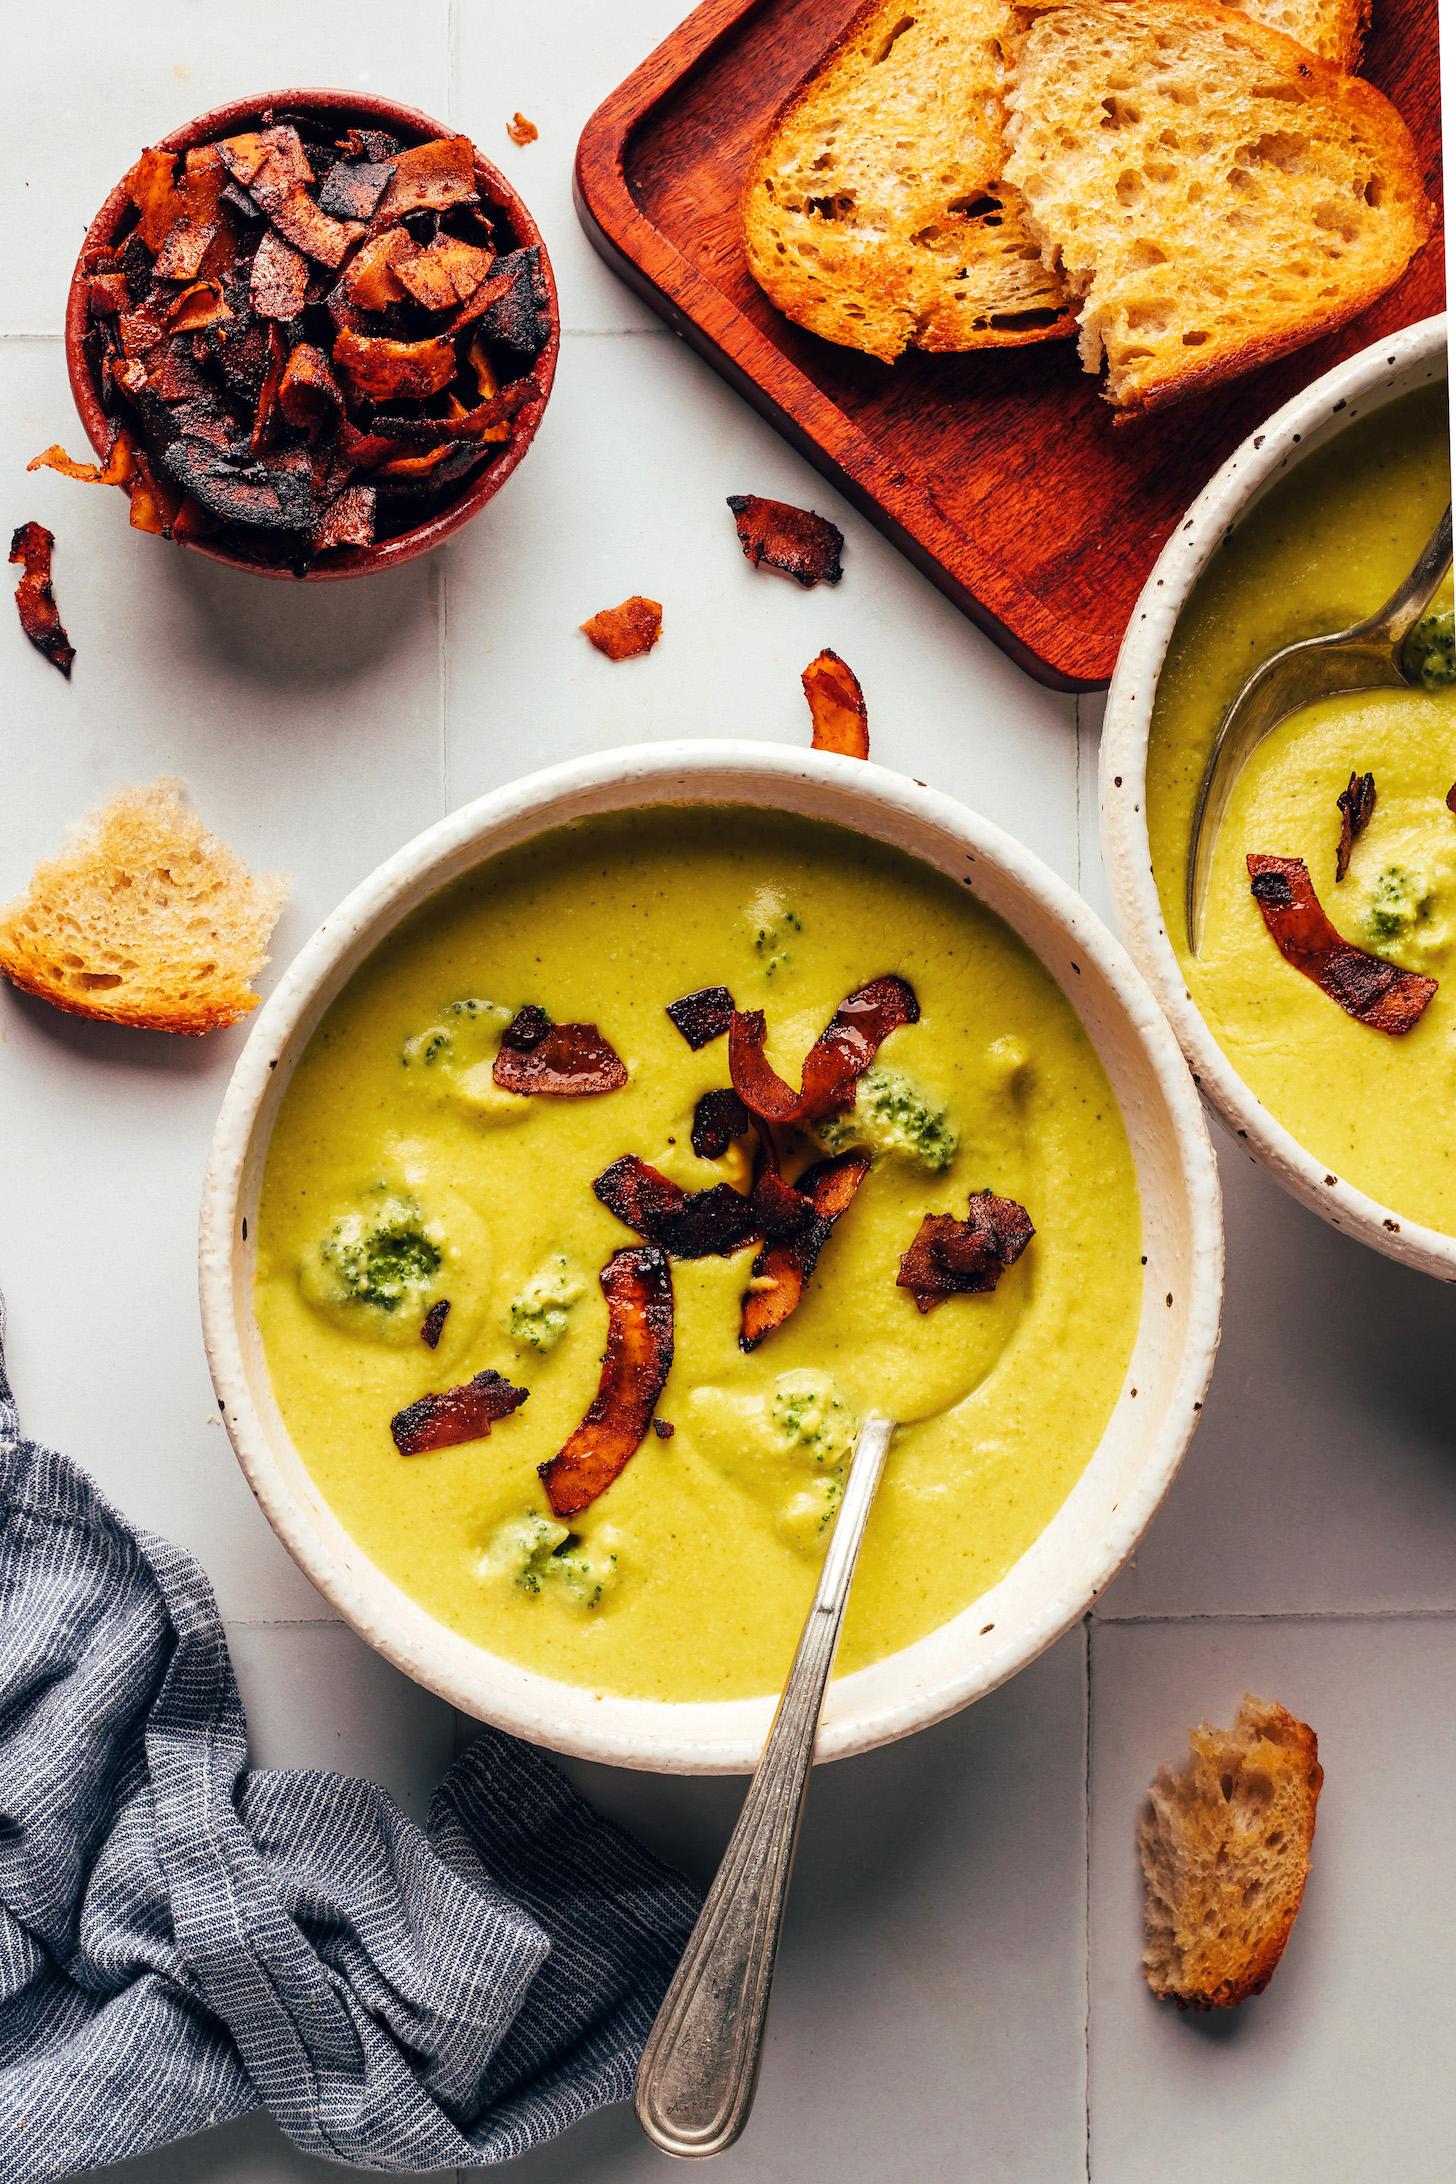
689	1577
1326	545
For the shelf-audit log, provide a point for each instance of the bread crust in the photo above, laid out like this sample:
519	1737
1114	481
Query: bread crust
193	1024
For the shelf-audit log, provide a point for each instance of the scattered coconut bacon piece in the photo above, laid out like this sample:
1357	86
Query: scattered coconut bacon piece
521	131
459	1414
557	1061
433	1325
951	1258
834	1064
118	468
718	1119
836	706
703	1016
1367	987
31	544
709	1224
637	1284
783	1267
1355	804
795	541
626	632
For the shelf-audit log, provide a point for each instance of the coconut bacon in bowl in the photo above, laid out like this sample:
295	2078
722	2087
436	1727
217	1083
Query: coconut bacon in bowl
309	336
619	1185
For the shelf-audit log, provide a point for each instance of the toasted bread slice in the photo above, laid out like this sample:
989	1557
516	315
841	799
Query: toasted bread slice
1225	1850
875	214
144	918
1213	193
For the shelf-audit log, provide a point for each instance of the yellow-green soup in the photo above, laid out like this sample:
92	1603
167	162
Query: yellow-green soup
1325	546
689	1577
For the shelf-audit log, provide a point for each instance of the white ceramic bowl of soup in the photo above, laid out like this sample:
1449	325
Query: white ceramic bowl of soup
1388	369
1099	1524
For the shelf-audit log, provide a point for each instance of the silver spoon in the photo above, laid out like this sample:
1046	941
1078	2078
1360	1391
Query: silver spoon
1367	656
699	2069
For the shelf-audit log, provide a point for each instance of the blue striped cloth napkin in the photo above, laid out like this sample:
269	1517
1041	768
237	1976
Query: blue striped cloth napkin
183	1938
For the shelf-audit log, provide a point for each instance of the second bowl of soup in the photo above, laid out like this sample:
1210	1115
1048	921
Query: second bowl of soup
1319	1010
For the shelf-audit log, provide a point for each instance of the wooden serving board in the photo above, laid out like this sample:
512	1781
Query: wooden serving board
1002	474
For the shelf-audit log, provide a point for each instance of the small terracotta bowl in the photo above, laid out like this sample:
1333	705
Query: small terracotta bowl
340	108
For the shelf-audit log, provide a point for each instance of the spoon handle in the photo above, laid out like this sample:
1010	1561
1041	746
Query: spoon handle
699	2070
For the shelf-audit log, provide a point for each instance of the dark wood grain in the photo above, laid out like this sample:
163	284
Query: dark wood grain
1003	475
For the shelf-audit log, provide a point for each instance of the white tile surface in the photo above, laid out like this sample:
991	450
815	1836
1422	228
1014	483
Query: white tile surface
306	721
932	2011
1322	1475
317	1697
87	86
555	61
625	492
933	1965
1342	2070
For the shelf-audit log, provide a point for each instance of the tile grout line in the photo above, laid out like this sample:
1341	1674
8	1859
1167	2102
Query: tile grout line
1281	1615
1100	1622
452	44
1087	1624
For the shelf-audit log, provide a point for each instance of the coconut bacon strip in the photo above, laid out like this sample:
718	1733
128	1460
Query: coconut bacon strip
951	1258
797	542
32	545
637	1284
1355	804
707	1224
782	1269
1367	987
557	1061
836	706
834	1064
455	1415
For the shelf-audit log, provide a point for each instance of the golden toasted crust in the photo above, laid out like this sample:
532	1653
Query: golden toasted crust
1334	29
1135	125
144	919
1225	1848
874	213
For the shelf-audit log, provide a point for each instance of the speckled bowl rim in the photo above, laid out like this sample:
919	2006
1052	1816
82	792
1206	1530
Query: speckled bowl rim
1183	1237
1396	364
347	106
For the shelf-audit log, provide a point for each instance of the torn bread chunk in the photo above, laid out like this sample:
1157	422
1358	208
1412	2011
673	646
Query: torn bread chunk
1213	194
1225	1848
145	919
